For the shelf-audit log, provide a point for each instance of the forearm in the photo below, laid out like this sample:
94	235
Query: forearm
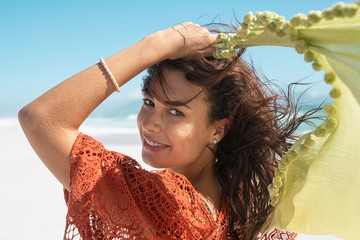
68	104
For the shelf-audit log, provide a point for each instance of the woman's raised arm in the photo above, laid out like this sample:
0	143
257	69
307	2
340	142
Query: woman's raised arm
51	122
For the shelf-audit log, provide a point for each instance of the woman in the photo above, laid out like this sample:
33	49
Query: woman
208	122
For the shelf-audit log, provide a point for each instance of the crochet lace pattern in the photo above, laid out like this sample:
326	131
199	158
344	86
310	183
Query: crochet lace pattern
112	197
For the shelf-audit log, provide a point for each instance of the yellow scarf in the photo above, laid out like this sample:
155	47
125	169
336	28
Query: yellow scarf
316	189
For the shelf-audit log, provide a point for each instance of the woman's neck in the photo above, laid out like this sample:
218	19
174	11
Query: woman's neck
205	182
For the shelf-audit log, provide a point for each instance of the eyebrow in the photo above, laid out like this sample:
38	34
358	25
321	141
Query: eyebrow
176	103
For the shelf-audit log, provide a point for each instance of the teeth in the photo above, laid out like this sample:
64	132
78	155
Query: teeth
152	143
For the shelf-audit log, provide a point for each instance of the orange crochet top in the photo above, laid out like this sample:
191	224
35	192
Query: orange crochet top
112	197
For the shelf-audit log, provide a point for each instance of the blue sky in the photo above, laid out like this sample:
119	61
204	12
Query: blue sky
45	42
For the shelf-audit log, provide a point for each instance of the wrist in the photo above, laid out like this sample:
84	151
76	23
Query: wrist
165	44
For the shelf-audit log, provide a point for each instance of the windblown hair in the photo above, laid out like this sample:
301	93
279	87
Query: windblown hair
260	131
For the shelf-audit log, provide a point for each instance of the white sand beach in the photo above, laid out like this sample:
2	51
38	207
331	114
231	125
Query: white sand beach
31	202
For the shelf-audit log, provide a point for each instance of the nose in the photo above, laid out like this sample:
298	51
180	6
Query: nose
150	121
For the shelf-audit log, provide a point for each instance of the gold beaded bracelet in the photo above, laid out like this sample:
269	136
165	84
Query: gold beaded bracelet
110	74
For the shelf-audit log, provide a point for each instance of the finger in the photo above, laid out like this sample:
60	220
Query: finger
213	38
208	52
187	23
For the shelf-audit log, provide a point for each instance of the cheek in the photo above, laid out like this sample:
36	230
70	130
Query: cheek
187	137
140	119
181	133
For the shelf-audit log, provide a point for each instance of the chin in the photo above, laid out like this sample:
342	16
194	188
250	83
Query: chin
155	164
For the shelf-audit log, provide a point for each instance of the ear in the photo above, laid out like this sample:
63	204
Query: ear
219	131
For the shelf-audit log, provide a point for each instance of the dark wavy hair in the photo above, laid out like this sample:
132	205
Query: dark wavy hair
260	131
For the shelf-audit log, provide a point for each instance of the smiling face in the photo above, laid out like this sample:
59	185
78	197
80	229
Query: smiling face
176	137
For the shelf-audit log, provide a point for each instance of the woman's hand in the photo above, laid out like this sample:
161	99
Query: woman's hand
186	40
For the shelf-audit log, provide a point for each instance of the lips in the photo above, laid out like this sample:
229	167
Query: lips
153	146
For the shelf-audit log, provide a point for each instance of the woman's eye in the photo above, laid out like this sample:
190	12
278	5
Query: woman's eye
148	102
176	112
